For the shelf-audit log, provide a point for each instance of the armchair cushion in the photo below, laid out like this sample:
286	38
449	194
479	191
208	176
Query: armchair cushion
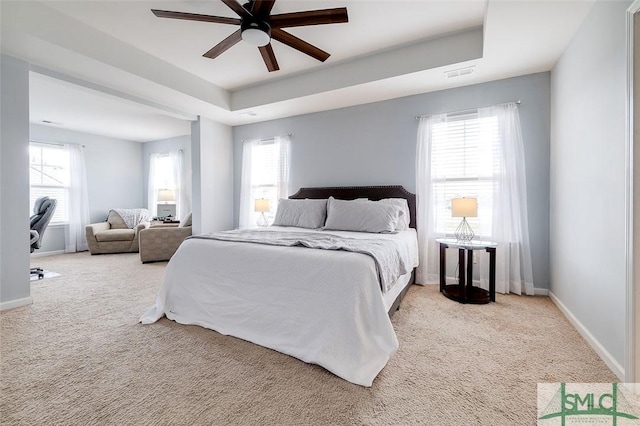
161	242
116	235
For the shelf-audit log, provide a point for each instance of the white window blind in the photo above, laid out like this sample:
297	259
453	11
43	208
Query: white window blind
464	161
49	174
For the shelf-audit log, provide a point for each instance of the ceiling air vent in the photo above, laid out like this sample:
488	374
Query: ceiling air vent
460	72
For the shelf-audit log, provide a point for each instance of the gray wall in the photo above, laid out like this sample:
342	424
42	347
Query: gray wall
375	144
212	176
14	176
114	175
588	86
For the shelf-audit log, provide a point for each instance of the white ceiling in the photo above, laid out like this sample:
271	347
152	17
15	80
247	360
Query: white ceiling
113	68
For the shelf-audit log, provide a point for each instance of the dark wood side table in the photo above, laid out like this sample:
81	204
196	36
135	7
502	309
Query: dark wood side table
465	291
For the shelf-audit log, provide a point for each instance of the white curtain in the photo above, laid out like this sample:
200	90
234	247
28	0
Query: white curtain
75	237
509	222
246	199
152	186
182	186
427	195
283	150
278	182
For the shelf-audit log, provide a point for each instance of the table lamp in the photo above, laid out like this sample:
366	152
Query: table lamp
464	208
262	205
166	203
166	195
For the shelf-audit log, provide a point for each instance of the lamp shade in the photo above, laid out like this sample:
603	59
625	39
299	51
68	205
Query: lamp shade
262	205
464	207
166	195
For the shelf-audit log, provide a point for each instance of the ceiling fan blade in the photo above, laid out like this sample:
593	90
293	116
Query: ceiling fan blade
269	57
195	17
299	44
312	17
237	8
225	44
262	7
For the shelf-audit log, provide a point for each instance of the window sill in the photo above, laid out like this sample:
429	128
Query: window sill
59	225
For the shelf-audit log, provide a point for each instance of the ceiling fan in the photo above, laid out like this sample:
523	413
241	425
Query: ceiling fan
258	27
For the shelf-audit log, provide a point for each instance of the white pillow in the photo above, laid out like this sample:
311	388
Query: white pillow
305	213
405	217
361	216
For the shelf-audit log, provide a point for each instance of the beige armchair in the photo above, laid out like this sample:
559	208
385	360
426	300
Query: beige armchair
113	236
160	242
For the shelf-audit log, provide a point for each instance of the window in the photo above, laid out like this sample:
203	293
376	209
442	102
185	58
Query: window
264	177
163	172
169	171
49	174
464	156
481	155
161	177
265	170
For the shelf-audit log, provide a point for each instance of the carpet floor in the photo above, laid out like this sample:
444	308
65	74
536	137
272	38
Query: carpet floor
77	355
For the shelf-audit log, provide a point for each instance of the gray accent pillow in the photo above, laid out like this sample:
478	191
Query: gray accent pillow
305	213
405	218
361	216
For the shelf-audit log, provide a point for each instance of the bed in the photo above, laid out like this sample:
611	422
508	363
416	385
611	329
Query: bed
328	306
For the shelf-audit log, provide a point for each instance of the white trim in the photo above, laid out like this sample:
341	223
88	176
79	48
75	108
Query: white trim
540	291
58	225
630	277
47	253
591	340
17	303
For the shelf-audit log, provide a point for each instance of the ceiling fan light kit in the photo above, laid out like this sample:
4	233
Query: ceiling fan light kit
256	33
258	27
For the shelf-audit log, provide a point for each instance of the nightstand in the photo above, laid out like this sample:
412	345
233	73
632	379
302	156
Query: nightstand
465	291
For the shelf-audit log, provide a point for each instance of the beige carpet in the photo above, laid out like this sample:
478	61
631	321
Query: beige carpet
78	356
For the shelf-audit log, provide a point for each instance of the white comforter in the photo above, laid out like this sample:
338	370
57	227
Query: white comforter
321	306
386	253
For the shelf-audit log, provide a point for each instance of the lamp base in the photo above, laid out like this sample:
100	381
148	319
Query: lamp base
464	231
262	220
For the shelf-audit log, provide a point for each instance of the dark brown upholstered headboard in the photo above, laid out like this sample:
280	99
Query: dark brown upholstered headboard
373	193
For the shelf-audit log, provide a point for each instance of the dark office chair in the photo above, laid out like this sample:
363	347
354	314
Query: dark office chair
42	213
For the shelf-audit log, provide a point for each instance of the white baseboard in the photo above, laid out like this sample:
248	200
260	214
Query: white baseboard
47	253
540	291
16	303
617	369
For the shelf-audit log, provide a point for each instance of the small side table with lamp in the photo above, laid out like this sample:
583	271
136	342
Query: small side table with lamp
464	291
166	207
